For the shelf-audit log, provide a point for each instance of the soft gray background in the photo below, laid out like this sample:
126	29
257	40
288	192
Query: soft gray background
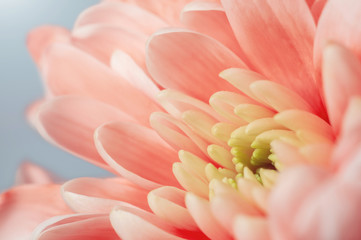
20	84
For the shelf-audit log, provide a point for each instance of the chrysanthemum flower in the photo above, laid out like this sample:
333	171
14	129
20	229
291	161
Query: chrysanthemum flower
270	150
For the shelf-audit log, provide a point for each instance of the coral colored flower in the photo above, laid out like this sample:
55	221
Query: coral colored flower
275	153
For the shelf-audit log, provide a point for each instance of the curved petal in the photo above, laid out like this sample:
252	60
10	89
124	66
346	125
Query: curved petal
341	81
102	41
210	19
138	224
168	203
317	8
77	226
147	160
121	15
22	208
189	62
168	10
39	39
331	213
29	173
69	71
294	186
66	122
277	37
127	68
177	134
251	228
201	212
101	195
338	23
350	138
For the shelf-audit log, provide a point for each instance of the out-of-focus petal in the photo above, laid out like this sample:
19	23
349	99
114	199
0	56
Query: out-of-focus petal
168	10
350	138
330	213
341	81
294	186
250	228
22	208
41	38
339	22
120	15
317	8
189	62
137	153
101	195
29	173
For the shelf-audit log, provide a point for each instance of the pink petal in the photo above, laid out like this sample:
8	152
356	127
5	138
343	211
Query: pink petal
101	195
330	213
22	208
70	122
131	223
126	68
277	37
210	19
200	210
168	203
32	112
77	226
251	228
69	71
350	138
137	153
317	8
350	172
102	41
232	204
189	62
294	186
342	80
274	95
120	15
287	154
39	39
168	10
338	23
177	134
29	173
176	103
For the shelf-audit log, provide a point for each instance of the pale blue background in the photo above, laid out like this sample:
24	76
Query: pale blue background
20	84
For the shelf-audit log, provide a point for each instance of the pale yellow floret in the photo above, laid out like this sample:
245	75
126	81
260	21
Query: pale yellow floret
201	124
264	139
259	126
223	131
310	137
251	112
221	155
224	103
190	182
268	177
193	164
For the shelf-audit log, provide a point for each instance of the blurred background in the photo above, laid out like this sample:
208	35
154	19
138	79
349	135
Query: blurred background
20	85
